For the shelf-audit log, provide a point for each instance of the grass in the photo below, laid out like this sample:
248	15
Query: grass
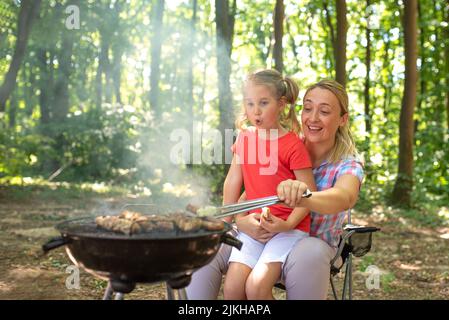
54	191
365	262
386	281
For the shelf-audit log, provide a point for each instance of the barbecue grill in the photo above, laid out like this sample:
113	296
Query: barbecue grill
124	260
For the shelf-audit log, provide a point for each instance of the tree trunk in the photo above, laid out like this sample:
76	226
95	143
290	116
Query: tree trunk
446	64
202	99
99	86
13	102
190	99
61	102
278	24
117	73
329	23
367	88
367	77
108	74
332	39
103	66
61	91
224	35
293	45
156	47
107	68
310	46
340	49
190	49
29	9
45	87
423	67
261	40
117	53
3	36
404	182
386	84
28	92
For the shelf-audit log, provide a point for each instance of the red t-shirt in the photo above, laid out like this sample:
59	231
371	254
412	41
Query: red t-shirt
265	163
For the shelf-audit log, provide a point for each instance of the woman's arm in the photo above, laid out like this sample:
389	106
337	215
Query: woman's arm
342	196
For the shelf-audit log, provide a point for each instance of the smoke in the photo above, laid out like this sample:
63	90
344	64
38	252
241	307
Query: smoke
169	150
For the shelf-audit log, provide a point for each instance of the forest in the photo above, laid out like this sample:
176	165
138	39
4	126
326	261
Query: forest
95	95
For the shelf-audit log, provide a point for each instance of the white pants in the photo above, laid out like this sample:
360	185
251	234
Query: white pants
275	250
305	272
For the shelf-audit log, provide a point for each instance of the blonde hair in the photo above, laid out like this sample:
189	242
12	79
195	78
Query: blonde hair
344	143
282	87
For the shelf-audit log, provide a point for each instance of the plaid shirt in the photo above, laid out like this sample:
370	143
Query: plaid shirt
328	227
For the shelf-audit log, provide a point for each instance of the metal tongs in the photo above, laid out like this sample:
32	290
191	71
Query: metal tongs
245	206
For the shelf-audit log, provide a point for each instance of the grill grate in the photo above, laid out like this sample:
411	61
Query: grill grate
86	227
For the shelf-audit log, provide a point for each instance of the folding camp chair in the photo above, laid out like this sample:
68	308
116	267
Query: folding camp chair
355	241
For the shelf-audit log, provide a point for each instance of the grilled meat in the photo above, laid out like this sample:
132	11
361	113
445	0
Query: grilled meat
212	224
129	223
187	224
115	223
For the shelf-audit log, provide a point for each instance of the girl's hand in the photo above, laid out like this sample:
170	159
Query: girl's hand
291	191
251	226
275	224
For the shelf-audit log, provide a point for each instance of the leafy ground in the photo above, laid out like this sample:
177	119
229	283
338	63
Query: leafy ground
411	251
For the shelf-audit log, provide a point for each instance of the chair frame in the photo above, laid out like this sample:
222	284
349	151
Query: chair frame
344	247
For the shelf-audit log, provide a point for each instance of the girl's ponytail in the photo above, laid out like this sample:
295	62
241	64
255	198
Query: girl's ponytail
288	117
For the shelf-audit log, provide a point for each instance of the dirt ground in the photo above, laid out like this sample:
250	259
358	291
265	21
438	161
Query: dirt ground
413	262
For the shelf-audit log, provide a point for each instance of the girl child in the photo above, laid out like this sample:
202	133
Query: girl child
269	106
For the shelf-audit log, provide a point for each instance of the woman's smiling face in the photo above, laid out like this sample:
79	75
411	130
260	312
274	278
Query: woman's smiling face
321	116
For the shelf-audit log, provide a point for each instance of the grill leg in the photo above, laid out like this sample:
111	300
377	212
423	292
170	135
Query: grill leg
119	296
182	294
108	293
170	293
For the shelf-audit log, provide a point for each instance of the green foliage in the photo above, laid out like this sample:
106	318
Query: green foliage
113	142
386	281
365	262
96	143
19	153
8	15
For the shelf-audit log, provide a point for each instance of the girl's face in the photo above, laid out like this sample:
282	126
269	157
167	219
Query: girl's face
261	106
321	116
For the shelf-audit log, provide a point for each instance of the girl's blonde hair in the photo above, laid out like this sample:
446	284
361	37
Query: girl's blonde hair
344	143
282	87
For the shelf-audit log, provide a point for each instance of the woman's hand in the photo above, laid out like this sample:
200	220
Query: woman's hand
274	224
291	191
251	226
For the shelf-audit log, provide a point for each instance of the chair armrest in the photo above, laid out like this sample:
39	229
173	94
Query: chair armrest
360	229
344	247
